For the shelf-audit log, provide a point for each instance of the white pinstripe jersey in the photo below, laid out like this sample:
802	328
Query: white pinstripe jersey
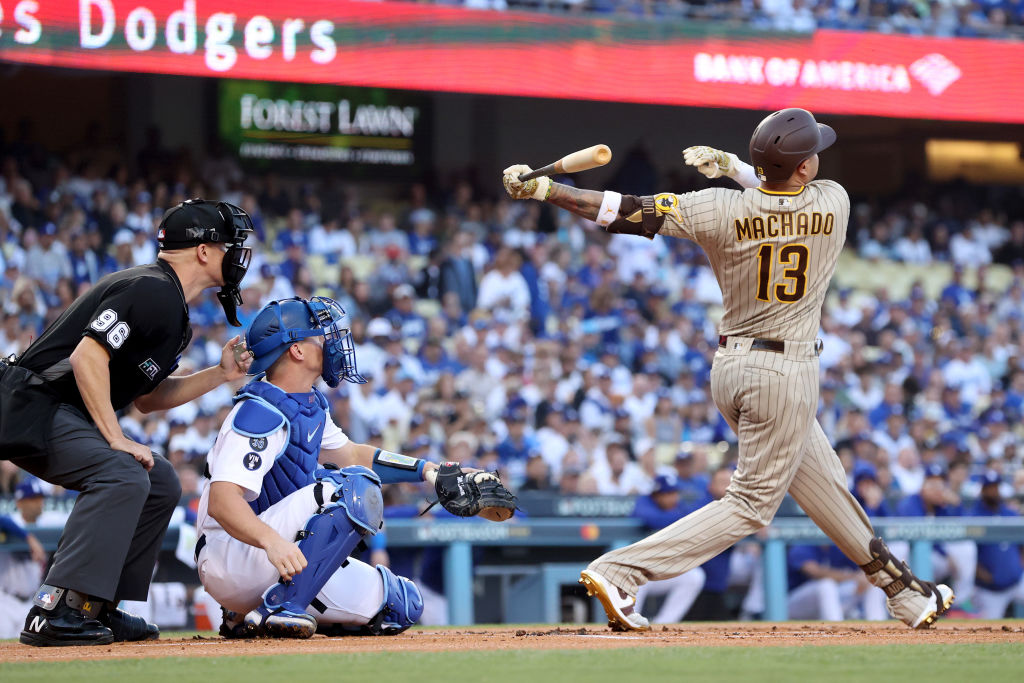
773	253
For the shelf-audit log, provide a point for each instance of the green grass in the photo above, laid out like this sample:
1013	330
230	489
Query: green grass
988	663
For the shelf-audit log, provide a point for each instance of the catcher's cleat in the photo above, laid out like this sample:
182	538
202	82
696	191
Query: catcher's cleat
921	611
622	616
281	623
232	625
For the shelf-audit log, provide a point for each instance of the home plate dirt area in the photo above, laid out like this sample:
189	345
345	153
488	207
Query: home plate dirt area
542	637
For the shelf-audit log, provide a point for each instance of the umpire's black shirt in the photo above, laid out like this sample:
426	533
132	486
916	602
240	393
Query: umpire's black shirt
139	315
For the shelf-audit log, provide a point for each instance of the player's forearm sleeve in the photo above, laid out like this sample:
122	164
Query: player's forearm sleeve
637	216
744	174
393	468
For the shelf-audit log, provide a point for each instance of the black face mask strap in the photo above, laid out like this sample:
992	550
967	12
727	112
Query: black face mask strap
230	300
236	263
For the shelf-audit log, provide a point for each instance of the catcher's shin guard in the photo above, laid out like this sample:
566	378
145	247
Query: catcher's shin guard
329	537
402	607
916	603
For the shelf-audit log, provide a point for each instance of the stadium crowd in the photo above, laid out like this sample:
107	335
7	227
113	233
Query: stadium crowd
963	18
516	337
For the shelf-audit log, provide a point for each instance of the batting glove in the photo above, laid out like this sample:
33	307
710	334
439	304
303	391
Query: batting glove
711	162
531	189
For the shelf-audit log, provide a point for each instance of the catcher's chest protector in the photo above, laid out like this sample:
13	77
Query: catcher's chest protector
305	415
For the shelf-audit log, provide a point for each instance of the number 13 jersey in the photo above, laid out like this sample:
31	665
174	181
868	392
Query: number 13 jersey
773	253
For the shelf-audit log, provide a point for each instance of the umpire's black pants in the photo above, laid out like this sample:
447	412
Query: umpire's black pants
111	540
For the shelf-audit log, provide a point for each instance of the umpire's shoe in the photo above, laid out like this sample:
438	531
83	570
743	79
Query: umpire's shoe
622	615
126	626
57	619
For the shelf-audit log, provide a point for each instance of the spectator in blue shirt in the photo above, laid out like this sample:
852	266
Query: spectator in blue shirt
868	491
663	506
692	481
409	323
518	446
955	292
1000	575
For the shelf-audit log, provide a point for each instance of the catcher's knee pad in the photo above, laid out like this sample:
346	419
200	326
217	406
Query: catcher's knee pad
402	606
330	536
357	489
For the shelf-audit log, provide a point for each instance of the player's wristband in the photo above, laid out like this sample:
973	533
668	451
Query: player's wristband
394	468
543	190
609	210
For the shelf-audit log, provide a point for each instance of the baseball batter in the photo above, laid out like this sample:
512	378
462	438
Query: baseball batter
773	248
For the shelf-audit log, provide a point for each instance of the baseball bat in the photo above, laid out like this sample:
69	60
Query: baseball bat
584	159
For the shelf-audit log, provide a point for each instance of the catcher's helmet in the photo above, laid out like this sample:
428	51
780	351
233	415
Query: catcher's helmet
282	323
784	140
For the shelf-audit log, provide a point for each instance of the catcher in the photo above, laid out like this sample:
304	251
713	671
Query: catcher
290	497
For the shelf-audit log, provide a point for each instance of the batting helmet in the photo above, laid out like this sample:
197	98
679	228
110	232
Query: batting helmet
784	140
282	323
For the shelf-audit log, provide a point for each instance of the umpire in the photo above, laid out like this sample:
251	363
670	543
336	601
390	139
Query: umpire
117	344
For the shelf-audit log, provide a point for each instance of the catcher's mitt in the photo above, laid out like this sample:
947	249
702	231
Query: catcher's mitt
474	493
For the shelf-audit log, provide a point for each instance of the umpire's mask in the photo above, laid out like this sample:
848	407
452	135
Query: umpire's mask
196	221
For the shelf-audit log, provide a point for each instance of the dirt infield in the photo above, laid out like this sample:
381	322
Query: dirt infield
544	638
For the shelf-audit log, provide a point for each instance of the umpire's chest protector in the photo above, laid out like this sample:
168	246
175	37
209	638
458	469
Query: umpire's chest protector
304	415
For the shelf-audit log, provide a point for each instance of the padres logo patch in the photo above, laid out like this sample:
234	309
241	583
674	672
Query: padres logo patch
258	443
668	203
252	461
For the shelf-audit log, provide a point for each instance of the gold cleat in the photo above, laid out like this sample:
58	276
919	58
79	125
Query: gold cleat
921	611
622	616
947	601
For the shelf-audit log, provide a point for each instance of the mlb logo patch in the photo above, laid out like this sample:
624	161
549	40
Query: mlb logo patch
785	201
46	598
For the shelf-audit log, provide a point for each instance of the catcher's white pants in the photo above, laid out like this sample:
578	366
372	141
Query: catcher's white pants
993	604
236	574
679	591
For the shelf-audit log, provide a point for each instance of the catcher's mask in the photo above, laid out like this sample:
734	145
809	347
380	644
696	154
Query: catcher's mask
196	221
282	323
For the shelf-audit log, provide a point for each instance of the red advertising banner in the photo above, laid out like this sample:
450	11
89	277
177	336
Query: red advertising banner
427	47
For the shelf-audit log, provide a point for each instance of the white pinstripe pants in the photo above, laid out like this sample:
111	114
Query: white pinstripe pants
770	400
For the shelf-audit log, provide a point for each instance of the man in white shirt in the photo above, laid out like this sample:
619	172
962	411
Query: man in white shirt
504	288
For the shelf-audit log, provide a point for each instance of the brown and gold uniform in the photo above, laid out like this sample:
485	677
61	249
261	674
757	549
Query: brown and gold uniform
773	255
